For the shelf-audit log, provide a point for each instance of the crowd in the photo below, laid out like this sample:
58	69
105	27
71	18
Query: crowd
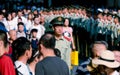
37	42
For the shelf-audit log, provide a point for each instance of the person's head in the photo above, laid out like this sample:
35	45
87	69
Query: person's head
13	14
9	17
106	60
100	15
97	47
30	16
20	13
57	24
117	55
34	33
21	48
21	26
109	16
46	43
3	42
36	20
116	19
36	56
66	24
12	34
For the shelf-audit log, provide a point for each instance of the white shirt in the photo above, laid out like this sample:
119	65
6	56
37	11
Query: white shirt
40	29
22	68
29	24
115	73
15	20
9	25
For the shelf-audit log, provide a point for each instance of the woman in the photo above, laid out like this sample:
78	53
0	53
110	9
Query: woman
67	32
9	22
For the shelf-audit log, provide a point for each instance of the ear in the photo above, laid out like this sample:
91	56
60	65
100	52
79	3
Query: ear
41	46
27	53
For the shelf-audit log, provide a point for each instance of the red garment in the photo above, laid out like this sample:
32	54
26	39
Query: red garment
6	66
10	50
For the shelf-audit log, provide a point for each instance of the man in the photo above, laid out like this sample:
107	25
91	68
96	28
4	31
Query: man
22	51
85	66
51	64
61	43
6	64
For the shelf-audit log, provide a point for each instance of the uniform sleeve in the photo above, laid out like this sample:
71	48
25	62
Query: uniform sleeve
39	70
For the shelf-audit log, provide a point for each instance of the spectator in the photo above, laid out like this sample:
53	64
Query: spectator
85	65
34	40
67	32
20	32
18	17
29	21
12	37
22	51
36	25
9	22
106	64
6	64
51	64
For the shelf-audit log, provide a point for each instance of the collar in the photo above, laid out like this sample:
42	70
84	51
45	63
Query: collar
115	73
61	38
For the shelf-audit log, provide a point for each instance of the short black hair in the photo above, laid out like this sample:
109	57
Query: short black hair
34	30
48	41
100	42
20	23
20	45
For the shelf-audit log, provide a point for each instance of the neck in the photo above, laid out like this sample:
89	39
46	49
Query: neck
58	36
2	51
23	59
36	24
49	53
32	66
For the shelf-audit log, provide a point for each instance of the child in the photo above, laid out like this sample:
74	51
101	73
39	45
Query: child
34	40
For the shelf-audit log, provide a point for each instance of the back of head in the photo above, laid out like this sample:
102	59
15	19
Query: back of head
100	42
3	37
20	45
48	41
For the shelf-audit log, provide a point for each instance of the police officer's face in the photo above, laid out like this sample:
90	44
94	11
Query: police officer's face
58	30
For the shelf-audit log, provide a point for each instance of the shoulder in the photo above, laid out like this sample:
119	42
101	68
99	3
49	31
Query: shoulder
5	59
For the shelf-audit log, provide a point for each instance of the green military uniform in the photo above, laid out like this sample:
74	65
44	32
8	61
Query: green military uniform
62	44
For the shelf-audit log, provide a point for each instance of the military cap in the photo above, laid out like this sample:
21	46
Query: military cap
58	21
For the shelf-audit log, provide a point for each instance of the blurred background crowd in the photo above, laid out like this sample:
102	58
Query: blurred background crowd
90	21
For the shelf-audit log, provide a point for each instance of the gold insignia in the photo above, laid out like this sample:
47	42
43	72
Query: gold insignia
59	19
